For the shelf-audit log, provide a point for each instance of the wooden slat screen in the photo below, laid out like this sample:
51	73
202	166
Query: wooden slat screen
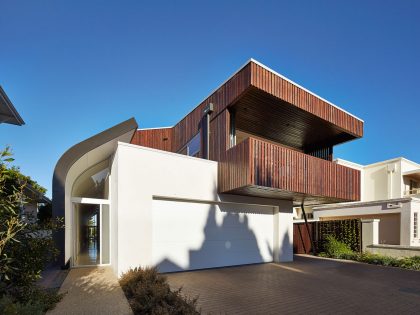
258	163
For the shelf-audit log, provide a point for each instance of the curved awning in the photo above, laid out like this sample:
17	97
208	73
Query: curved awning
83	155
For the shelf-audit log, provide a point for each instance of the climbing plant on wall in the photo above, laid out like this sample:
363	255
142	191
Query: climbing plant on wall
346	231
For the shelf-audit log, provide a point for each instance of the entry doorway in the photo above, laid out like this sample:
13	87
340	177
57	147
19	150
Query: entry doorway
91	233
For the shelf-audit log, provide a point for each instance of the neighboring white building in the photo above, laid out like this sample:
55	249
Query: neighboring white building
395	178
390	191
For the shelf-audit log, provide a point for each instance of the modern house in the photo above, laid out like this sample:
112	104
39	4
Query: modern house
390	192
8	113
216	189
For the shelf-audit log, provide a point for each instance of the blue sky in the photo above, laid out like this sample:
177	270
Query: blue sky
74	68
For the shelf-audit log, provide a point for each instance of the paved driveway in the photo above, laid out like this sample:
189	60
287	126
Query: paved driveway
92	291
308	285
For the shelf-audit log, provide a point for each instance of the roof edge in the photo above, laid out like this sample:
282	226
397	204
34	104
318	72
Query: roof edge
276	73
11	108
305	89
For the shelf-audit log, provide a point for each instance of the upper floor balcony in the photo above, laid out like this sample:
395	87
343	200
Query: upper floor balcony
261	168
411	180
412	192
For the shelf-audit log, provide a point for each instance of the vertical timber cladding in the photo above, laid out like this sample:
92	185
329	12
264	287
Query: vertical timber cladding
219	119
160	138
279	87
251	75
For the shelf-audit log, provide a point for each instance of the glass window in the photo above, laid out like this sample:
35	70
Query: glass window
415	227
93	183
193	147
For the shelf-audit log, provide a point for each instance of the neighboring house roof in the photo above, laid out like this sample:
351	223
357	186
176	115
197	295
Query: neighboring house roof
415	174
343	205
349	164
35	195
8	113
356	165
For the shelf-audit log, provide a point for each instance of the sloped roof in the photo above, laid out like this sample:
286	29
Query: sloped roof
8	113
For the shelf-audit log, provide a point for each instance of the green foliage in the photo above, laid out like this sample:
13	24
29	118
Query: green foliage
336	249
410	263
345	231
17	176
38	301
25	248
376	259
10	224
9	307
149	293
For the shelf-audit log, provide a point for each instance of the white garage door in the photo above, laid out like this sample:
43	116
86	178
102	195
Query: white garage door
189	236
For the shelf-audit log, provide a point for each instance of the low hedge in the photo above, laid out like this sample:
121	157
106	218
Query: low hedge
148	292
339	250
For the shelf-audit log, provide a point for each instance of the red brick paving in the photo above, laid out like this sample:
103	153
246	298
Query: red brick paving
308	285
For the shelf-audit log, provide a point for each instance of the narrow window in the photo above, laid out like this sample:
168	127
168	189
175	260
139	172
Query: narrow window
193	147
415	227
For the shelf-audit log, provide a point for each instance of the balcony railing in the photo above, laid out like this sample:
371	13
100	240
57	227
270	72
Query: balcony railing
412	192
262	165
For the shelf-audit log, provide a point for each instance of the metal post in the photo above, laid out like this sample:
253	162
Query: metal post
307	229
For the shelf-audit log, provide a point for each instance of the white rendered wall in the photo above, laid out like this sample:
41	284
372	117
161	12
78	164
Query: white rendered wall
182	187
283	233
114	212
380	184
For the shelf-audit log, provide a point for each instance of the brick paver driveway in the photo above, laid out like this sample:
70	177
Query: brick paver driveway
308	285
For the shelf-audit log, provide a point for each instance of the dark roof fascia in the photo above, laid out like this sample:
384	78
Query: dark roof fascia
15	118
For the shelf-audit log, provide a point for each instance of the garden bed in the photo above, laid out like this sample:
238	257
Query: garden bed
339	250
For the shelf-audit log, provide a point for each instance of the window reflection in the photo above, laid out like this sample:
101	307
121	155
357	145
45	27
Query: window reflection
93	183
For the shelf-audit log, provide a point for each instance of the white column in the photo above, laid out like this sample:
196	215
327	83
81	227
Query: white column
283	232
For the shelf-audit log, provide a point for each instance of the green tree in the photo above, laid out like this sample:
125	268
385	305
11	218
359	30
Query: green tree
25	248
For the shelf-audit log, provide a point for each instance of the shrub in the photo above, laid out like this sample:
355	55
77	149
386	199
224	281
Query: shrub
376	259
336	249
410	263
10	307
23	252
149	293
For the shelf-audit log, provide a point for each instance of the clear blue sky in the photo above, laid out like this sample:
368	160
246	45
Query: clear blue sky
74	68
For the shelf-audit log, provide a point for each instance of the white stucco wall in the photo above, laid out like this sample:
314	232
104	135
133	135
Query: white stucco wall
114	214
165	196
380	183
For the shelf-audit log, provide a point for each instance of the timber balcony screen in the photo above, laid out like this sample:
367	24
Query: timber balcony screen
260	168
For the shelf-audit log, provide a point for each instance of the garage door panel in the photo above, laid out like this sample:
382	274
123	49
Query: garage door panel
190	236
